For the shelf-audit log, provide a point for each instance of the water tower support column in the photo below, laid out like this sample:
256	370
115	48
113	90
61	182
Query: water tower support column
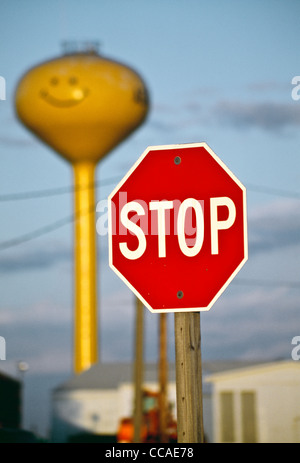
85	323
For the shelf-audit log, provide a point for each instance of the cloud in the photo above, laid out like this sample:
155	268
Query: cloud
35	258
268	116
15	141
274	226
269	86
41	313
253	323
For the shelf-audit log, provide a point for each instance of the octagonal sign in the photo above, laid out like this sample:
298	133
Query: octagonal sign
178	228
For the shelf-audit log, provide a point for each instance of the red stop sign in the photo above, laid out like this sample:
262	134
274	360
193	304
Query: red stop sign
178	228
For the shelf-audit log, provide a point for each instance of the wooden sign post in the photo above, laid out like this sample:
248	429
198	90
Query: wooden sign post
138	372
163	378
188	378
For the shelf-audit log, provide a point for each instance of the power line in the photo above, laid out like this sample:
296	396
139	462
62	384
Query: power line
35	233
258	282
42	230
108	181
273	191
35	194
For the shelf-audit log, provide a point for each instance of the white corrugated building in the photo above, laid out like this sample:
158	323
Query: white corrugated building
258	403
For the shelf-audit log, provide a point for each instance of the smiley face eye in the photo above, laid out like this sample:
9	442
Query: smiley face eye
140	96
54	81
73	80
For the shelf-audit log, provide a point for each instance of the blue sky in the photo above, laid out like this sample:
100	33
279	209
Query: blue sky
218	72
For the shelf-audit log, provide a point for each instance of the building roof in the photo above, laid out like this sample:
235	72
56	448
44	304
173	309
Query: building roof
254	369
110	375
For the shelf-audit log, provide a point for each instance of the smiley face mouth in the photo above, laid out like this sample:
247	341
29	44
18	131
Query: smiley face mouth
78	96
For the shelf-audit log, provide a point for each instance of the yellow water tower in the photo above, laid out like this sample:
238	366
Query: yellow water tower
82	105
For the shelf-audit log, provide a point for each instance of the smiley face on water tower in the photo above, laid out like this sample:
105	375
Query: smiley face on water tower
59	95
82	105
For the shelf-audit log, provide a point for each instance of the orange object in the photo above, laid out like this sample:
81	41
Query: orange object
150	427
126	431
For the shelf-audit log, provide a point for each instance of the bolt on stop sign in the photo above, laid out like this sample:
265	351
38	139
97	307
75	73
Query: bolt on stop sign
178	228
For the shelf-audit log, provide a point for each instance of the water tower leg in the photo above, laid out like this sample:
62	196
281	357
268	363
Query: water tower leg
85	329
